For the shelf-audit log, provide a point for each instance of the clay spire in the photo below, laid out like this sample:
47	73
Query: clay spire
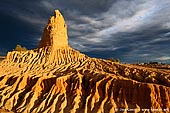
55	33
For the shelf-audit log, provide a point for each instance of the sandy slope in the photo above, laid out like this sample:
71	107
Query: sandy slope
5	111
54	78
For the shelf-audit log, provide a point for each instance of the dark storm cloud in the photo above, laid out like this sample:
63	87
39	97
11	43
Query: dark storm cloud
132	29
36	13
151	46
88	7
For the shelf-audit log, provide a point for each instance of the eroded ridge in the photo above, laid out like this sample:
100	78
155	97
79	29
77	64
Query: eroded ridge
55	78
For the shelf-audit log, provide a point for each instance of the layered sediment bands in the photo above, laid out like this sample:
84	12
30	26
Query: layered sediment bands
45	56
59	79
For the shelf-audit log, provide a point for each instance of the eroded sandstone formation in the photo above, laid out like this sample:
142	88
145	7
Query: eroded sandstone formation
55	33
54	78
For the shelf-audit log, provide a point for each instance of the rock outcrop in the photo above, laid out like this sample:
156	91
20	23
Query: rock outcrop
55	33
54	78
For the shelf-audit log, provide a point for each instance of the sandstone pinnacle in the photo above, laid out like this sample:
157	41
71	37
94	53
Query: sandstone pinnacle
55	78
55	33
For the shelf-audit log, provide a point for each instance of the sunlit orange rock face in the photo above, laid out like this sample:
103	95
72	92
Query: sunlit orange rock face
55	33
54	78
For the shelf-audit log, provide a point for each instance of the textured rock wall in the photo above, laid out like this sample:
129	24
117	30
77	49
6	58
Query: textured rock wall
55	33
54	78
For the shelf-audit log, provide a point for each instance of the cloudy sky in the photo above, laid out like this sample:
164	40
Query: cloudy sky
131	30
